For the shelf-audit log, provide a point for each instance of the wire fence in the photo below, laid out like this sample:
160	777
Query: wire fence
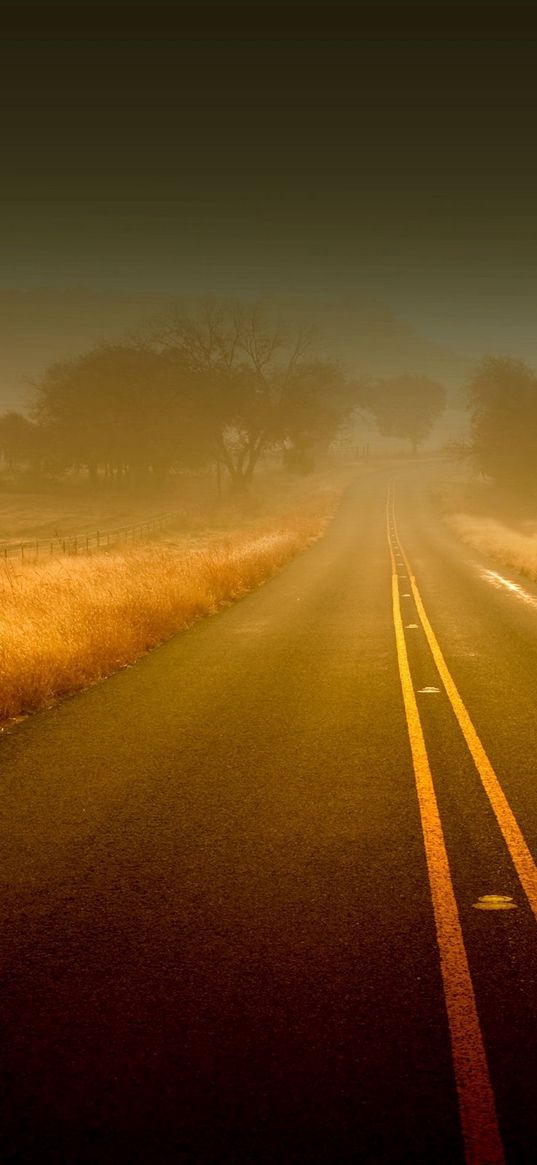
87	543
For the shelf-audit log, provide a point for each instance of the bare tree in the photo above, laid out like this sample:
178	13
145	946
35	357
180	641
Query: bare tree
248	365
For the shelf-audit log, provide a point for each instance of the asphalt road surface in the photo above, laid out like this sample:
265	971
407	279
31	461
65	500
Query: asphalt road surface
240	878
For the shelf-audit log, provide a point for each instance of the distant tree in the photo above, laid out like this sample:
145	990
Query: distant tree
124	409
258	386
319	403
224	384
19	440
242	364
68	408
502	401
406	407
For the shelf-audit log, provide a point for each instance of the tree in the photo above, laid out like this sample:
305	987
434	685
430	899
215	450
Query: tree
406	407
224	383
257	385
319	402
502	401
125	409
19	440
242	364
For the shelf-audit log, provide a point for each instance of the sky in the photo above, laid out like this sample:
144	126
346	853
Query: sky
386	150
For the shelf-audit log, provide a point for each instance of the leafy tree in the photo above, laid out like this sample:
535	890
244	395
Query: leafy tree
406	407
319	402
124	408
19	440
69	408
502	401
224	384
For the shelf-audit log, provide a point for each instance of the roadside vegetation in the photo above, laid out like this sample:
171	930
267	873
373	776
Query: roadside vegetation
222	418
68	621
494	507
510	547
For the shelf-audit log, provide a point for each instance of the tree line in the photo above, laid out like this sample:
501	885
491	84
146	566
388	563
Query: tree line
225	386
502	402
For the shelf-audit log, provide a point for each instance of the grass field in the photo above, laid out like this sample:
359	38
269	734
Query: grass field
68	621
510	547
494	523
25	516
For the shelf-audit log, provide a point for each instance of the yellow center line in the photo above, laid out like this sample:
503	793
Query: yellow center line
510	829
479	1122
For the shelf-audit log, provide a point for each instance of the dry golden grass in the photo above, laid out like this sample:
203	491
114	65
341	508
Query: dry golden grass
69	621
510	547
491	520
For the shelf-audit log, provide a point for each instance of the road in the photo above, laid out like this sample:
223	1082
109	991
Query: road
240	878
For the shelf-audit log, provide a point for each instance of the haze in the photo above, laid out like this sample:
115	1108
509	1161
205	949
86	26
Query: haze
268	583
380	150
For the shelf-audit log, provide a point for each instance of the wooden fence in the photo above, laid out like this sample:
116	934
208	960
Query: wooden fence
87	543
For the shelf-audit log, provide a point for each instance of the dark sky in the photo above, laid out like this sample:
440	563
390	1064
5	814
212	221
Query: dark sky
384	149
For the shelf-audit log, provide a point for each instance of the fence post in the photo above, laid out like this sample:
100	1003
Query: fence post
72	544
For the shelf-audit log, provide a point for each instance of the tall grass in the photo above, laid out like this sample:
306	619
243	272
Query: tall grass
510	547
68	622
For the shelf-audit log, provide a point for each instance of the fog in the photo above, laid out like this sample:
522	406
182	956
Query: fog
360	172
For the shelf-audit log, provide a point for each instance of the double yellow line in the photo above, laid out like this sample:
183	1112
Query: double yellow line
479	1122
